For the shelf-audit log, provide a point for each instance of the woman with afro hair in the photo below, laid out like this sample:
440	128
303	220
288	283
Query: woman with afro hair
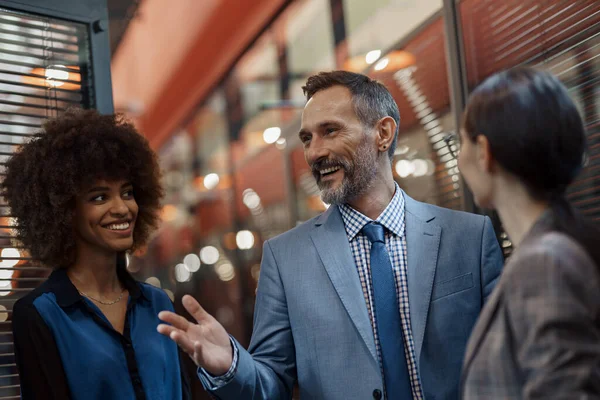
84	191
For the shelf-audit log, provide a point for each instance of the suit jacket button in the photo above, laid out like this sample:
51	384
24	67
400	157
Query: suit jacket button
377	394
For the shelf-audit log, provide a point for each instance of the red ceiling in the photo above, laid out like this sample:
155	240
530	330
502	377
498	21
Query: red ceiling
218	41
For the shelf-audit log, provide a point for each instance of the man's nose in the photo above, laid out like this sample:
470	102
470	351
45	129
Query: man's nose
315	152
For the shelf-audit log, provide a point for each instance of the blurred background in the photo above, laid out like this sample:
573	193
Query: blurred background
215	86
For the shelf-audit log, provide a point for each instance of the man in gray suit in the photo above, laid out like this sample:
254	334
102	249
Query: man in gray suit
376	297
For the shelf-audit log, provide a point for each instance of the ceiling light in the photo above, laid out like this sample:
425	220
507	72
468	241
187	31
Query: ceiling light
381	64
182	273
244	240
211	181
192	262
372	56
209	255
270	135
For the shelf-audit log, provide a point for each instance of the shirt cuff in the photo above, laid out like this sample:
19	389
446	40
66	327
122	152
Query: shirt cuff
211	382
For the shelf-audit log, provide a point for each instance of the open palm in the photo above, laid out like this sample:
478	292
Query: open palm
206	342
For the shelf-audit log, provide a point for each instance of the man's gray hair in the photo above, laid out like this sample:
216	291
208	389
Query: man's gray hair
371	99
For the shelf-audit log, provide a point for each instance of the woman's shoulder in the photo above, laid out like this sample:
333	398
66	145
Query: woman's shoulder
555	247
154	294
24	309
551	261
29	299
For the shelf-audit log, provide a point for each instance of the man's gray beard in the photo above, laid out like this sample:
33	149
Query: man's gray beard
357	180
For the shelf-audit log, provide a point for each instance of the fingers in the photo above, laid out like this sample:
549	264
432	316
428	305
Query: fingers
166	330
176	320
183	341
194	308
179	337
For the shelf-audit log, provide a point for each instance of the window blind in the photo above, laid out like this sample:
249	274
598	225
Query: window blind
561	36
44	69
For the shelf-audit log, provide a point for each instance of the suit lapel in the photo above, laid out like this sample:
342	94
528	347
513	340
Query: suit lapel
422	241
331	242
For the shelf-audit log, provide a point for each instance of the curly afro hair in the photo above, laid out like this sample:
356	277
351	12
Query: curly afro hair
72	152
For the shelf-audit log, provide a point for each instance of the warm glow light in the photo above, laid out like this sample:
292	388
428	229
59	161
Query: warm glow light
154	281
225	272
169	213
281	143
8	252
209	255
229	241
255	271
250	198
372	56
419	167
404	168
381	64
192	262
211	181
244	240
170	294
402	149
182	273
430	167
55	76
270	135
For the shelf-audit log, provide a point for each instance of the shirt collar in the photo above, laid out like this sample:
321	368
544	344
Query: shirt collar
392	218
67	294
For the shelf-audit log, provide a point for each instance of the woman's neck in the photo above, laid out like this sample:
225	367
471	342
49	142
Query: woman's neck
518	211
95	274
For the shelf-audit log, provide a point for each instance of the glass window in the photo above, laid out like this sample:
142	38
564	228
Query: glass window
380	24
309	42
253	95
560	36
416	75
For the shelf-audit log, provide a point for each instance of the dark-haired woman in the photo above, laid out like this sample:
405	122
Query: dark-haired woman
84	191
538	336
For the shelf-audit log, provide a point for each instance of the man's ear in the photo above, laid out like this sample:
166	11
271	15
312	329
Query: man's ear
386	132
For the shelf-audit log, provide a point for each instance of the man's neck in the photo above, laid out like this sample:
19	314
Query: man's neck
376	199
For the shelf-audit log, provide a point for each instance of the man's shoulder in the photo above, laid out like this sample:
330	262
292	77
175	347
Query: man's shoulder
444	216
300	231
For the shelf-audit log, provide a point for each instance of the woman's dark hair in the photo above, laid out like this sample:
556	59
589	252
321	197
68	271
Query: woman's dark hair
536	133
371	99
70	153
533	127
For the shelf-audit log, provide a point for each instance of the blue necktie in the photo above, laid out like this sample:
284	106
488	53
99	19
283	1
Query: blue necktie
387	313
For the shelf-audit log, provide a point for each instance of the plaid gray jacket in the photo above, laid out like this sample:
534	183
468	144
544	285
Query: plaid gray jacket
538	336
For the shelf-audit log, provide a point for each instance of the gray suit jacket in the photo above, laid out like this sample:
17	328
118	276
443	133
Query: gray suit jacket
538	336
311	322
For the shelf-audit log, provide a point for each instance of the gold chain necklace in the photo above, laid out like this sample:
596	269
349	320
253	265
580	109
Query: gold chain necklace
106	303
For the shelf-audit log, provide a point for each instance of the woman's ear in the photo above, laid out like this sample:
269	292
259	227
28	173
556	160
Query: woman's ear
485	159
